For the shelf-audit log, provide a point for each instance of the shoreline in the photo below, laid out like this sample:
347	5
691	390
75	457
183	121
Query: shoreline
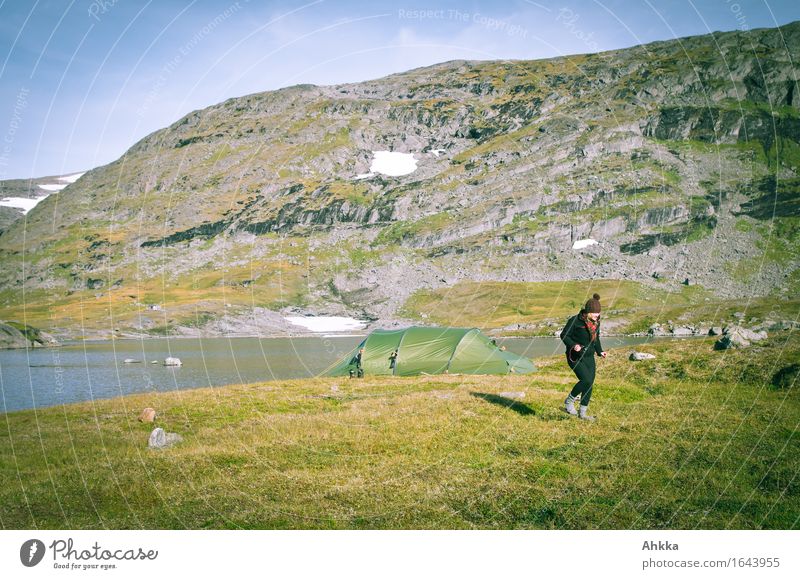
620	349
77	341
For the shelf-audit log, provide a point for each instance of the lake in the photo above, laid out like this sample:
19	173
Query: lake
81	371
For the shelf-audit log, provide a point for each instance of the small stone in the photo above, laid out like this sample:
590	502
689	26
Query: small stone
158	438
638	356
172	362
130	361
161	439
147	415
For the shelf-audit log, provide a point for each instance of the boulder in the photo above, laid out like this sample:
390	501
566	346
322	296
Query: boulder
172	362
682	331
731	340
147	415
715	331
749	335
638	356
657	330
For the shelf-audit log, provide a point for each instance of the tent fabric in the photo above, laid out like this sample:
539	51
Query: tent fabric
432	350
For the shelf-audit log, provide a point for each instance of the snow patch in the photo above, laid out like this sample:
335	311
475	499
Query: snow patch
53	187
393	164
580	244
327	323
21	203
72	178
437	152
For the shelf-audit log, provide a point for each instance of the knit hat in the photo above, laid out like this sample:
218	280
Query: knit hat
593	305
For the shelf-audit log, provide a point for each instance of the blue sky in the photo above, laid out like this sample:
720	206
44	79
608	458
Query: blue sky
81	81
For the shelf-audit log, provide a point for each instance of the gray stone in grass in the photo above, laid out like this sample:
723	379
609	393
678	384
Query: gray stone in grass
638	356
161	439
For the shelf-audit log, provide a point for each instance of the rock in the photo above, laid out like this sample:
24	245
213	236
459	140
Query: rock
172	362
130	361
147	415
158	438
48	339
11	337
744	333
657	330
730	341
154	361
682	331
715	331
638	356
783	325
161	439
514	395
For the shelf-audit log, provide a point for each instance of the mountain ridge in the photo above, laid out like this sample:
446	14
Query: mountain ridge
256	199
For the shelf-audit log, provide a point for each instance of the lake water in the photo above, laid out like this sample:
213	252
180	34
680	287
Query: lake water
84	371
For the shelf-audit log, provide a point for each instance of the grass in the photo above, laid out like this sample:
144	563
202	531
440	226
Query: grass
693	439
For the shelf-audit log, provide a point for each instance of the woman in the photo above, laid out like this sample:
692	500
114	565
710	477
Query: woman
582	337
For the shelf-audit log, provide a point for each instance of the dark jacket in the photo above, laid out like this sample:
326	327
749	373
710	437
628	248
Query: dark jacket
576	332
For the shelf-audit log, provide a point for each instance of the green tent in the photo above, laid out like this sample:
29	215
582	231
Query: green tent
432	351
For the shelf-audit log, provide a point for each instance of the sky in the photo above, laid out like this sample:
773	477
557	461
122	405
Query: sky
81	81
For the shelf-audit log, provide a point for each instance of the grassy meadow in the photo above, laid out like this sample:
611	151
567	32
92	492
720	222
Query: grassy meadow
695	439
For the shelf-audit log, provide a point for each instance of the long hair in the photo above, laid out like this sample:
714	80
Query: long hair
591	324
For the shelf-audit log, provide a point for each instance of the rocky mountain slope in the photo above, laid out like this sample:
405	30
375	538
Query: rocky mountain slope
681	159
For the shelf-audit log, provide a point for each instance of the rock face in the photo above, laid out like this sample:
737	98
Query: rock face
640	149
17	335
11	337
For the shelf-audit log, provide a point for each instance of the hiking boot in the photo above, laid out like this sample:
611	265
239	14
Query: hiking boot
569	406
584	416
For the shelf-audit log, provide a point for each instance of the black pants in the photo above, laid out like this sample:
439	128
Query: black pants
584	369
